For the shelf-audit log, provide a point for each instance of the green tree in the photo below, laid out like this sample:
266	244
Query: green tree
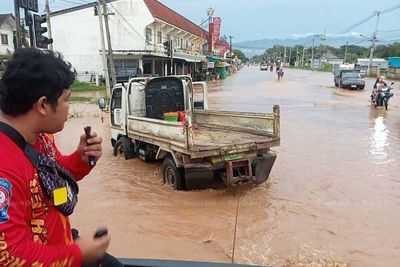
240	55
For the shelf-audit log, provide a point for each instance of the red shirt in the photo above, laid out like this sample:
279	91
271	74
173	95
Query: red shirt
32	230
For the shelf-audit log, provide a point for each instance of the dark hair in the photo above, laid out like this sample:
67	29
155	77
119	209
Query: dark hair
376	82
31	74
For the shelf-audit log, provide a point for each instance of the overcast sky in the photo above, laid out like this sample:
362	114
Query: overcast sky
258	19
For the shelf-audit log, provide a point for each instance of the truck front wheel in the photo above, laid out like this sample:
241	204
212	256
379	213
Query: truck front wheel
125	145
173	175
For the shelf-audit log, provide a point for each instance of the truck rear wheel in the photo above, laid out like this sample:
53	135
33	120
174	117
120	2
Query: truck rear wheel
173	175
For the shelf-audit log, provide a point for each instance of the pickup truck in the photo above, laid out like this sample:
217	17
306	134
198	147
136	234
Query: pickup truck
348	76
202	145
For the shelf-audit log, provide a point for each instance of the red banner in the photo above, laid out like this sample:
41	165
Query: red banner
210	36
214	32
217	27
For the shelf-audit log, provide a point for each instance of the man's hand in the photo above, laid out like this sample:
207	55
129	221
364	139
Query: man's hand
90	147
93	249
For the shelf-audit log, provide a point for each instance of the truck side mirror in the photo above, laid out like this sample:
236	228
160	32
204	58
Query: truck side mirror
102	103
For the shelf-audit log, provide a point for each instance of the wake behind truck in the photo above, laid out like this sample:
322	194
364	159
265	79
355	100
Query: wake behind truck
199	145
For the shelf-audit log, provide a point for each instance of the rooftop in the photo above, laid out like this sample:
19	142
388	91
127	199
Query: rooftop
164	13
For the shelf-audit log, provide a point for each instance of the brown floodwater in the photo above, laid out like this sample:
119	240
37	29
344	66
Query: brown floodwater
333	198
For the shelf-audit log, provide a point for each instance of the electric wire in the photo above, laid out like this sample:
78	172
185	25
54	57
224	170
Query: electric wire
127	22
357	24
390	9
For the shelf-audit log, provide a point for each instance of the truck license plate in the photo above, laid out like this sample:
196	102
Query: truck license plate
234	156
354	86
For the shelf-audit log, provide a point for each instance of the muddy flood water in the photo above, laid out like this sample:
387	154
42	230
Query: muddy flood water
333	198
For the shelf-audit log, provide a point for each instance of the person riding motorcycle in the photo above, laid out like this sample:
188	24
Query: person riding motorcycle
279	72
379	84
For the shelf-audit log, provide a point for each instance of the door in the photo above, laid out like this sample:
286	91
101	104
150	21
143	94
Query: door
118	111
200	95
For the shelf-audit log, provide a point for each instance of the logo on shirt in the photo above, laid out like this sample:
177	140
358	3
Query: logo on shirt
5	196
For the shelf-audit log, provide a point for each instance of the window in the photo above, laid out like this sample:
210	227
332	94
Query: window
4	39
125	64
116	107
159	37
148	35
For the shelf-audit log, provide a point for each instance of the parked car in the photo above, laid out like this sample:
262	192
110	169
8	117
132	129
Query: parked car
123	75
264	66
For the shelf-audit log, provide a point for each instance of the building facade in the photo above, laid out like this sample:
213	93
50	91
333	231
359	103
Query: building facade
7	33
138	31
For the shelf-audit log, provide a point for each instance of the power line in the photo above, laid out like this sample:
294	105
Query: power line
123	26
72	2
127	22
361	41
357	24
390	9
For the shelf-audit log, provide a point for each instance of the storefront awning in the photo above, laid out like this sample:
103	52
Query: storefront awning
190	57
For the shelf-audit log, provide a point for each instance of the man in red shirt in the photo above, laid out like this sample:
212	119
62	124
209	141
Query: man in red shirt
34	99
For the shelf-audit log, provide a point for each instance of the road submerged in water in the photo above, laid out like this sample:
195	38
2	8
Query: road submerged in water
333	197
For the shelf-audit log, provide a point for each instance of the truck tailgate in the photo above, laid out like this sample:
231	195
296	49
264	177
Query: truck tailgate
231	132
227	141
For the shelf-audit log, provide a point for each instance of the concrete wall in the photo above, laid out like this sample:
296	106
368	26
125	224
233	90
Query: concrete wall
77	34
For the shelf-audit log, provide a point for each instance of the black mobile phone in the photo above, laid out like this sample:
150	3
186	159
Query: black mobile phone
92	159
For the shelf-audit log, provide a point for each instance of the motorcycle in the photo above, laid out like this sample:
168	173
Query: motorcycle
380	97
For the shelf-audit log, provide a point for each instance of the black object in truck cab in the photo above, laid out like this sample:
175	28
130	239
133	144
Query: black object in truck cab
164	95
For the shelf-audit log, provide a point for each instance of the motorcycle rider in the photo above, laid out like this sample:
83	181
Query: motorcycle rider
379	84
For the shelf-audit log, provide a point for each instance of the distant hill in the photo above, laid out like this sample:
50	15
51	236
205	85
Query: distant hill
257	47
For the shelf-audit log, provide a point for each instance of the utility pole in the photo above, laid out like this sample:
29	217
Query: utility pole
312	54
302	58
230	45
110	51
47	10
373	43
297	56
345	52
18	42
290	55
284	56
103	50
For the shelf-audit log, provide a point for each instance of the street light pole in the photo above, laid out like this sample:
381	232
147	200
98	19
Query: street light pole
373	43
110	50
103	50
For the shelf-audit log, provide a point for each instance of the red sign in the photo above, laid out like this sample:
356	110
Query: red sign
210	36
217	27
214	32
